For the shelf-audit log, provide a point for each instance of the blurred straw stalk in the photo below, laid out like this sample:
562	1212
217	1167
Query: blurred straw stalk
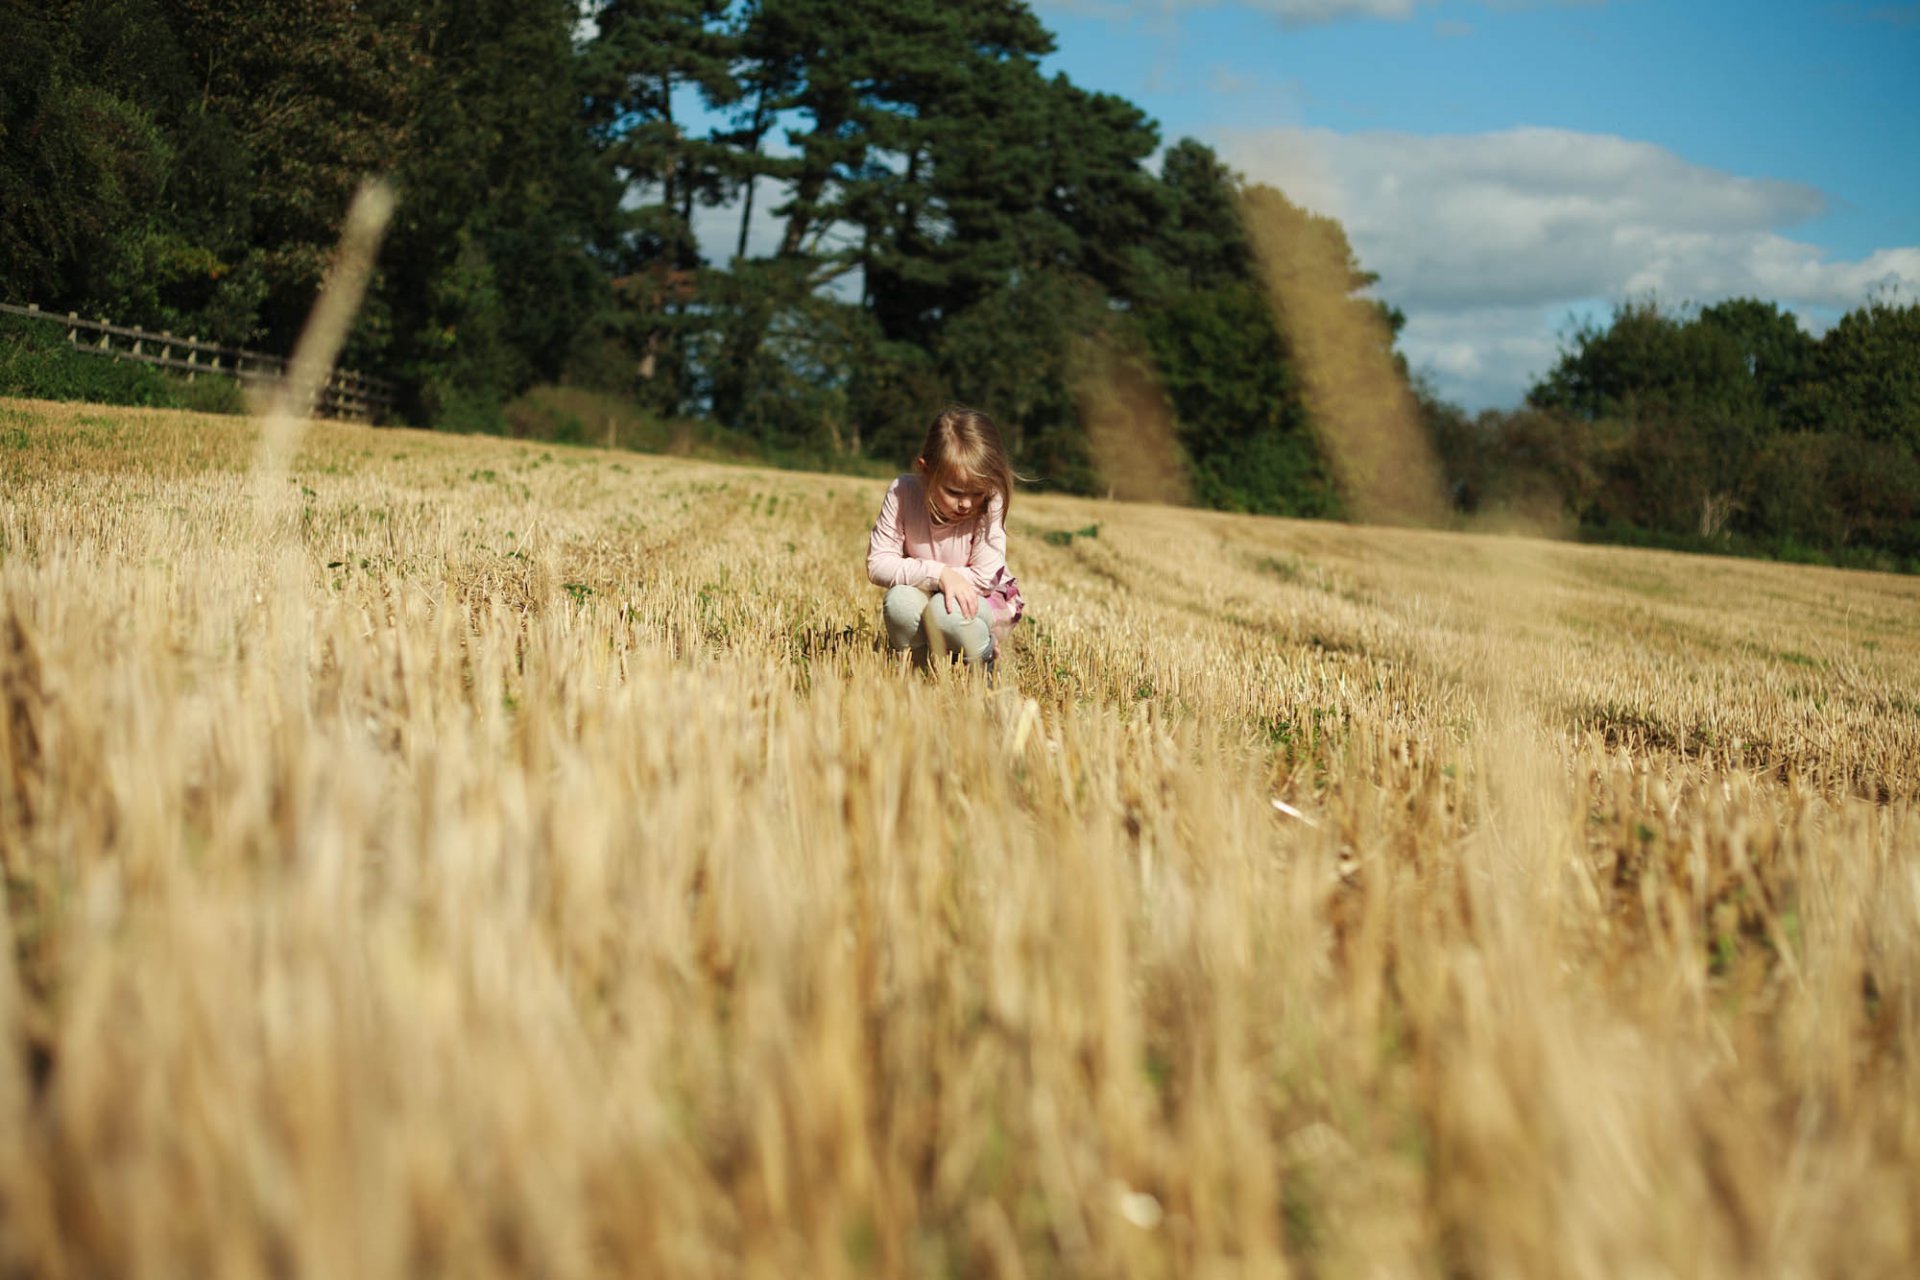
559	882
1369	425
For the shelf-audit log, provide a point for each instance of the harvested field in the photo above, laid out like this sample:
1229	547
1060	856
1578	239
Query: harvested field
464	858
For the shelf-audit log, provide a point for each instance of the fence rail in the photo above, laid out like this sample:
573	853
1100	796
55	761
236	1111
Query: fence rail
346	394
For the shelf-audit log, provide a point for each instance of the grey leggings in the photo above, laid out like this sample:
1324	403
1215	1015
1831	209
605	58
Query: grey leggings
914	617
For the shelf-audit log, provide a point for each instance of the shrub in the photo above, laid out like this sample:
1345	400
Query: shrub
208	393
37	364
579	415
576	415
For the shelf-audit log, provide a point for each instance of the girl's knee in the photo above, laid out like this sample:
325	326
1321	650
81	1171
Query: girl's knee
968	635
905	604
902	609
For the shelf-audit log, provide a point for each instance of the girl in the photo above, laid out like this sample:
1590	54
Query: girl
940	544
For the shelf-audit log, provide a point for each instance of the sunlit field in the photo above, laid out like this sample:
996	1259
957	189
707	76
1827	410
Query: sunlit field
465	858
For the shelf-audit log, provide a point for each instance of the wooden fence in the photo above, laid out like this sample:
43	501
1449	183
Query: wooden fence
346	394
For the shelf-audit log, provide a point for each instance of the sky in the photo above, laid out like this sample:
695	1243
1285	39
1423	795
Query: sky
1512	168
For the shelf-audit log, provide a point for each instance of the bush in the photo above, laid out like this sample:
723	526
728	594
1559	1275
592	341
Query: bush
466	411
208	393
578	415
35	362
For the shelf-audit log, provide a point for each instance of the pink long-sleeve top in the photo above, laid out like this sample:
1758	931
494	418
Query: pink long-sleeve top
907	549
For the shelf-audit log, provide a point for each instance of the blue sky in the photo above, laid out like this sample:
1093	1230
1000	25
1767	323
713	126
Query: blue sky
1508	165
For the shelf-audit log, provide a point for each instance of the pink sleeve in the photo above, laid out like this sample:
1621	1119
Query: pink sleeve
888	564
989	554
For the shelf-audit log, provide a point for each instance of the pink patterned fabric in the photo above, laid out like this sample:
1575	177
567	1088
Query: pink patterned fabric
1003	605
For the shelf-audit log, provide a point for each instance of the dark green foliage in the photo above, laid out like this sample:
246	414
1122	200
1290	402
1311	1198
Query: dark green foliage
208	393
82	159
274	114
785	358
1013	351
1775	351
1864	379
1732	429
37	366
1649	359
184	165
646	52
1227	372
1695	413
487	278
1231	385
36	363
994	220
1530	464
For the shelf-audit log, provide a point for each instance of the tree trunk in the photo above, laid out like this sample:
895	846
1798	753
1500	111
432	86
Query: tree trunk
758	129
672	166
808	190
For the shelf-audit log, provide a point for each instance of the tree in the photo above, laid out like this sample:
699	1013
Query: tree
875	82
1013	350
1647	358
1866	375
1695	407
647	55
110	199
650	61
931	162
488	274
1200	242
1242	421
1775	351
1228	375
319	92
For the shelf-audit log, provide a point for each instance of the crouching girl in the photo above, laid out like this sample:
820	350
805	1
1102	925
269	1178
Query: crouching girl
940	545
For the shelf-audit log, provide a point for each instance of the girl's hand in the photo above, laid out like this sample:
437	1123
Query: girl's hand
957	587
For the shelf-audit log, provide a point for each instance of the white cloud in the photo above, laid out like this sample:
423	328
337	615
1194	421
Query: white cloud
1225	81
716	230
1486	356
1488	240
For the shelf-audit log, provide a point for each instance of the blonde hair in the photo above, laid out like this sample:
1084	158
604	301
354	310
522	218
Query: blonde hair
965	443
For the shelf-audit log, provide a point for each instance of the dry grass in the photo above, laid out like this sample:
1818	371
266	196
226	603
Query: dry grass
545	874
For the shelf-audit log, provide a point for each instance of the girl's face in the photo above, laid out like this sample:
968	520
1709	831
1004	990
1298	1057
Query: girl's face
955	497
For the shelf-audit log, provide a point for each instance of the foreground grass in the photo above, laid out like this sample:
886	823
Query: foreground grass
473	859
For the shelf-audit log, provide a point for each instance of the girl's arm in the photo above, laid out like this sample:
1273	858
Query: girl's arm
888	565
989	553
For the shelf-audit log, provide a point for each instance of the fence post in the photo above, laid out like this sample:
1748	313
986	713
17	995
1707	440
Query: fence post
106	339
73	328
193	354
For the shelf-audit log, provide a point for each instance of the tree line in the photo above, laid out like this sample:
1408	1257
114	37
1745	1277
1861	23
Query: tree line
1723	427
809	223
